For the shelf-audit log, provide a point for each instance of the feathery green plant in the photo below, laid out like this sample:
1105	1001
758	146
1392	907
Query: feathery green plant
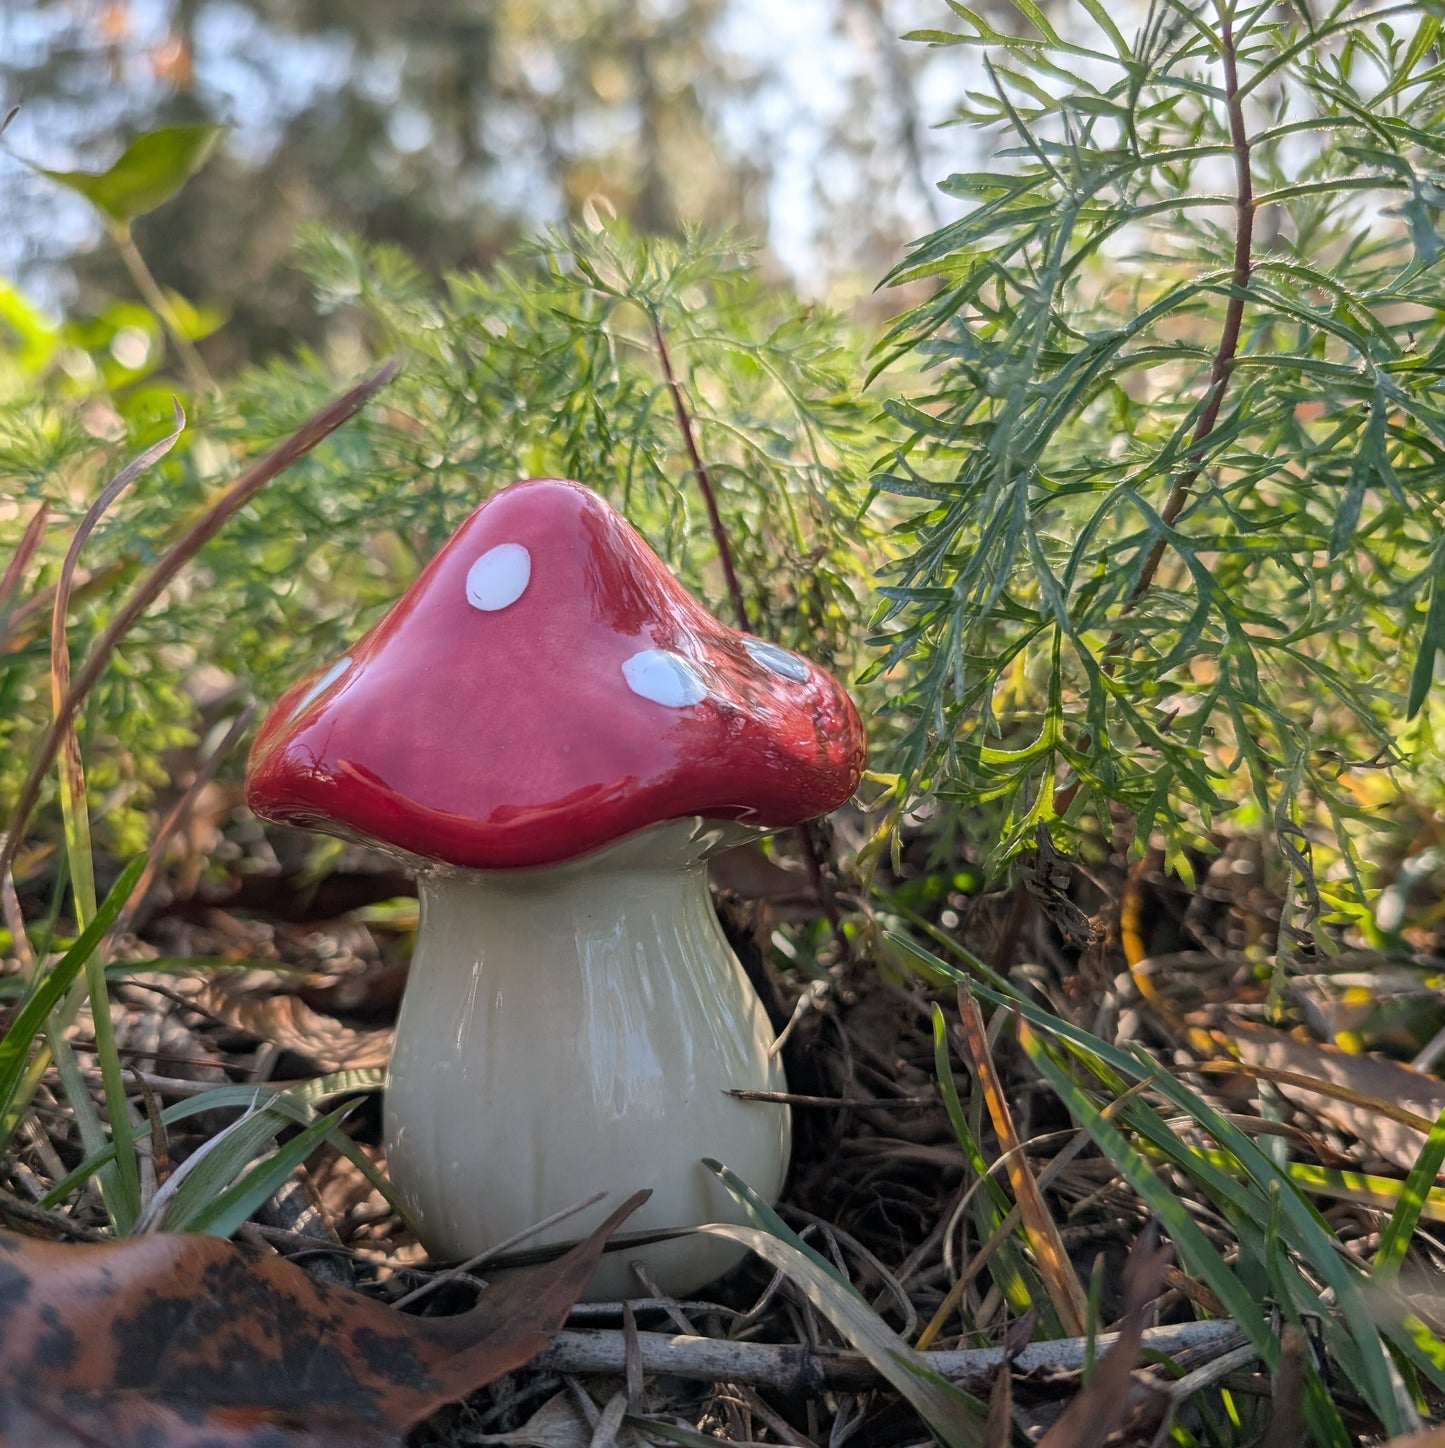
646	369
594	355
1176	460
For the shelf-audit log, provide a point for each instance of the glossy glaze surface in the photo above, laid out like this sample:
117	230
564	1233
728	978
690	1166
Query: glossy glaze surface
547	687
572	1030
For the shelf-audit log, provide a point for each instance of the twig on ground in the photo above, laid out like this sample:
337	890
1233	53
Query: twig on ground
800	1370
792	1098
53	1224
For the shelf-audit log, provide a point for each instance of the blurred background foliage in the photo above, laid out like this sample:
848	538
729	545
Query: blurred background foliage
452	129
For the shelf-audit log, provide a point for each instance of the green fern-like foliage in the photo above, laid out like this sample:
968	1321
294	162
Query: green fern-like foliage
1176	462
638	367
561	364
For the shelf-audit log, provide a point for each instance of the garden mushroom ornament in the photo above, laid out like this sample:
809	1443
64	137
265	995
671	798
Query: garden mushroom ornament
563	736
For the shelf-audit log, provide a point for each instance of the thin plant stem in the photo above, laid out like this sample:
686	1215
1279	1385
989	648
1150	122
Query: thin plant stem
1222	366
813	864
1220	370
811	859
198	375
121	1179
20	560
704	482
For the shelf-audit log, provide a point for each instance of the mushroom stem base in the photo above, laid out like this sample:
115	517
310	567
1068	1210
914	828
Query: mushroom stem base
574	1029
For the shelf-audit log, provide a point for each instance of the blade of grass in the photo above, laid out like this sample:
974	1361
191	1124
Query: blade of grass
293	1104
1395	1239
767	1220
954	1416
219	1212
1060	1281
1360	1349
20	561
216	1167
993	1217
1378	1193
15	1045
12	987
1350	1333
314	430
120	1186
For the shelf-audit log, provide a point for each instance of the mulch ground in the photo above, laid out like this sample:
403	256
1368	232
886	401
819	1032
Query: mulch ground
879	1183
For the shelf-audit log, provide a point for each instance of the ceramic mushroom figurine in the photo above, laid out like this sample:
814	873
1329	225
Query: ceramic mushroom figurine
563	736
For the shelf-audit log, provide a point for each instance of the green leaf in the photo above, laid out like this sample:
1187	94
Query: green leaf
149	172
294	1104
222	1214
1432	640
217	1188
1104	21
1421	213
767	1220
1406	1217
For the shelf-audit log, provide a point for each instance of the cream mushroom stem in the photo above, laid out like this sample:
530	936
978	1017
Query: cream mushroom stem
575	1028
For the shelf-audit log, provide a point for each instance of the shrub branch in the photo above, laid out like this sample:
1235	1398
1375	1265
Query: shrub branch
704	482
1223	364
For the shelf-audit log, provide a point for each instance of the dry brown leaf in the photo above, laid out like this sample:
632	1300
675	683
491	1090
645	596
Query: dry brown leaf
81	1420
177	1341
1428	1438
1383	1090
1286	1403
998	1428
261	1010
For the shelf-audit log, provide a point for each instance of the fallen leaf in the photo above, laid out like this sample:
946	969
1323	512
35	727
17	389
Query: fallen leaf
82	1420
258	1008
1368	1088
177	1341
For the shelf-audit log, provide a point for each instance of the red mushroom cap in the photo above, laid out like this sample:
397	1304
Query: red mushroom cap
543	689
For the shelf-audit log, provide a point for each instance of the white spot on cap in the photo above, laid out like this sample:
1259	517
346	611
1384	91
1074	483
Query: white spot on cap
322	685
499	577
779	660
664	678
